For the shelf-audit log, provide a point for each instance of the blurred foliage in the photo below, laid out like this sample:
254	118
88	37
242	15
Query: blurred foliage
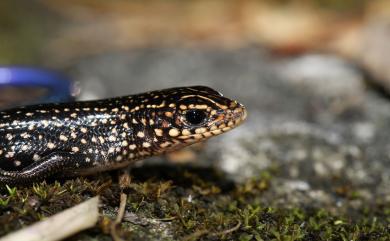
24	29
345	5
335	5
31	33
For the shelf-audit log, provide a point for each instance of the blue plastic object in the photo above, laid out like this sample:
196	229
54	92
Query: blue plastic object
59	87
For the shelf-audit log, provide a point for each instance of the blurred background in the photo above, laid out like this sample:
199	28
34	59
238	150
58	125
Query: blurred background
159	43
314	75
305	69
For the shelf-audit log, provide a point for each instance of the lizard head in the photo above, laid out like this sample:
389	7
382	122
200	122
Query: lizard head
186	115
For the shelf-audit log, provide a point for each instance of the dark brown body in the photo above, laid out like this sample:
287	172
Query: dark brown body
85	137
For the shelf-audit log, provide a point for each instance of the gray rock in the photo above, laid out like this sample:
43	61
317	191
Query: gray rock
311	117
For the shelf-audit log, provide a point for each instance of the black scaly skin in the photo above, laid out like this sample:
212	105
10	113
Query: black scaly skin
79	138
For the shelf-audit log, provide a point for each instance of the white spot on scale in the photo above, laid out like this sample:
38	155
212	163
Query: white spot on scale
173	132
51	145
197	136
216	132
158	132
9	136
200	130
36	157
213	127
146	144
186	132
45	123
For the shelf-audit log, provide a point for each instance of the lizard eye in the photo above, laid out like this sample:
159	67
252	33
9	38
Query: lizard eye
195	117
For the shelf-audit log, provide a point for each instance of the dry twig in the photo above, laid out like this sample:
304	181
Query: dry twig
124	182
61	225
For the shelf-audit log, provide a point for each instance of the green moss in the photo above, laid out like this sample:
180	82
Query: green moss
186	203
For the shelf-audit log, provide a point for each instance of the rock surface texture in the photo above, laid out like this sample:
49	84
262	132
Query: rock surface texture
312	117
312	161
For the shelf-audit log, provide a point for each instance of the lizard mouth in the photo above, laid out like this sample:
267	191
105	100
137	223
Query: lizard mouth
240	113
234	118
225	122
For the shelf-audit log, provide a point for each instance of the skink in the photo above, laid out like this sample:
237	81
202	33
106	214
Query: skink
86	137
